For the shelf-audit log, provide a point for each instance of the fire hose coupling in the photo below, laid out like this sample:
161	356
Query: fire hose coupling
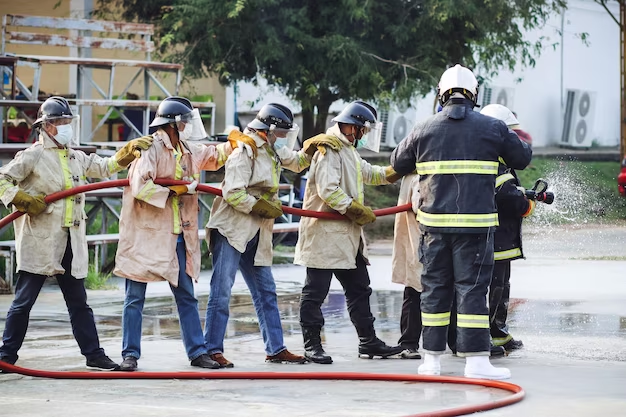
539	193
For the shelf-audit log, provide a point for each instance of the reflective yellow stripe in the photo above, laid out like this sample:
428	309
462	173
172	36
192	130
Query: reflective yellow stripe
335	197
146	192
178	175
5	185
473	321
236	198
435	319
457	220
501	160
501	179
67	184
113	166
499	341
303	161
507	254
457	167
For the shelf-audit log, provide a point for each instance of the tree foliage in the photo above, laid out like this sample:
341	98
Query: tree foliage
321	51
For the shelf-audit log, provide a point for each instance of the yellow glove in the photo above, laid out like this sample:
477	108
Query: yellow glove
132	150
391	175
531	208
267	209
236	136
26	203
360	214
184	189
319	143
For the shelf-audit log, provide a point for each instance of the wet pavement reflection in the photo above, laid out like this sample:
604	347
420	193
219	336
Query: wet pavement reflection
546	322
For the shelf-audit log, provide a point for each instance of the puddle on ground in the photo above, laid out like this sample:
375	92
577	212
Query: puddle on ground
526	317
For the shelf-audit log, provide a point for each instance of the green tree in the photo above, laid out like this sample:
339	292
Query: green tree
321	51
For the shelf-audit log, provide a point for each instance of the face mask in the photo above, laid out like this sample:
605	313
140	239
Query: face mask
186	133
280	143
64	134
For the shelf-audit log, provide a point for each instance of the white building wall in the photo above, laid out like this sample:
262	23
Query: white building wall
565	63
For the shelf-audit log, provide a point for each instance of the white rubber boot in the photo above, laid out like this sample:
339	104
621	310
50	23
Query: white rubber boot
480	367
431	365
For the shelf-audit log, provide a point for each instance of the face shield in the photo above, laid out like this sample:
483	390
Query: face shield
371	138
285	138
191	124
66	126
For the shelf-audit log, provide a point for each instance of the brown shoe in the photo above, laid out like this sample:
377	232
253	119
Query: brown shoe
224	363
286	357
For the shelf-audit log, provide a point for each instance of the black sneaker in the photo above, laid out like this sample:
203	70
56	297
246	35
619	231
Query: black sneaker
102	363
205	361
129	364
410	353
513	345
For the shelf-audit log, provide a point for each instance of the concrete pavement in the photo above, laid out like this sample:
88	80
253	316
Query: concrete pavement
568	307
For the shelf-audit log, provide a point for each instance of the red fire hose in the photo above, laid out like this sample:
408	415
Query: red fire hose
518	392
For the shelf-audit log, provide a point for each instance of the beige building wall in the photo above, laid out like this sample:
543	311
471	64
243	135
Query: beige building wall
61	79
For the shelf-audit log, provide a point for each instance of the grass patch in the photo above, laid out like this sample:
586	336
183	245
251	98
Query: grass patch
98	281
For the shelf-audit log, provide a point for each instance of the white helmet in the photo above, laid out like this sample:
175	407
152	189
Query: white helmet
457	79
500	112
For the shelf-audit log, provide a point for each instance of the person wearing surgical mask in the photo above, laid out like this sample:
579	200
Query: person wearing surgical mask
51	239
159	226
239	231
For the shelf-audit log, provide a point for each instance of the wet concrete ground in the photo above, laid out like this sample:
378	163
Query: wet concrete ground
569	308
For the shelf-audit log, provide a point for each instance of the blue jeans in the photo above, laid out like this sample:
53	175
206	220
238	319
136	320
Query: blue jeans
226	261
81	316
186	302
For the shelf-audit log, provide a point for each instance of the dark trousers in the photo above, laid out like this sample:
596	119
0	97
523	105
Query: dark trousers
499	294
460	266
410	319
356	286
26	293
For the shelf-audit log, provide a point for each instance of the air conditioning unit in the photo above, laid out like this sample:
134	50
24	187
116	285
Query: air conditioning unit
580	110
496	95
398	121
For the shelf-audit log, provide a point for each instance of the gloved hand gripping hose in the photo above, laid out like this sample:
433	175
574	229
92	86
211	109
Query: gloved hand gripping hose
539	193
518	392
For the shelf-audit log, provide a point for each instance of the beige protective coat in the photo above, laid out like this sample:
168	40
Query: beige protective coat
44	168
246	179
406	268
335	179
151	220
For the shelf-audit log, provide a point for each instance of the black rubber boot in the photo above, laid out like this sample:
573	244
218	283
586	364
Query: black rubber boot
313	349
371	346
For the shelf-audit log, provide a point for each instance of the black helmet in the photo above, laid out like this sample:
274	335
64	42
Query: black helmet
169	109
53	108
357	113
272	114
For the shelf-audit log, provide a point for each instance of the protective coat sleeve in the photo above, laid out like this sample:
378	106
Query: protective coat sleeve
96	166
511	202
515	152
294	161
213	157
373	174
236	180
327	180
142	176
16	171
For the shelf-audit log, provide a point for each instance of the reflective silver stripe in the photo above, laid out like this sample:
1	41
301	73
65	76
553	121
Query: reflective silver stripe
457	167
457	220
507	254
501	179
